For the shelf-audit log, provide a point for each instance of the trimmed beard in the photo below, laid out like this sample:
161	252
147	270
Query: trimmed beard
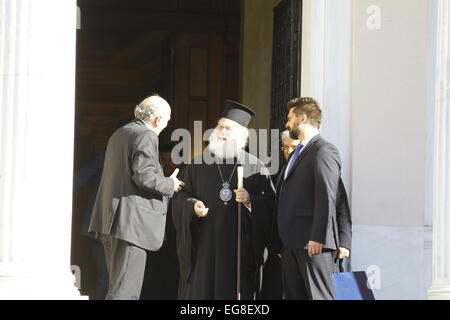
296	132
226	149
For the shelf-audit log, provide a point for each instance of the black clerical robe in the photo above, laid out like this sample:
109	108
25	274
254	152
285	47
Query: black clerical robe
207	246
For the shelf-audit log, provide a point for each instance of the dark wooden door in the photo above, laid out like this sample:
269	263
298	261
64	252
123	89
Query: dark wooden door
206	74
286	59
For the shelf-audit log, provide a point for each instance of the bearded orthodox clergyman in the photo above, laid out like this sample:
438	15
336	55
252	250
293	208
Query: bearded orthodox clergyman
205	214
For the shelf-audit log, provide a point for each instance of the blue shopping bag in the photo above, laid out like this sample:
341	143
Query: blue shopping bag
351	285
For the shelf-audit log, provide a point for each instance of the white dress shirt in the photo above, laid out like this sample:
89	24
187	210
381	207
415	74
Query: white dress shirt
304	143
146	124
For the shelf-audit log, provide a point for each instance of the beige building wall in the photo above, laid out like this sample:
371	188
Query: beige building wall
389	112
379	121
257	31
369	62
374	84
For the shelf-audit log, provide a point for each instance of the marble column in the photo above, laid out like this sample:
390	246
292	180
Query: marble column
327	70
440	289
37	85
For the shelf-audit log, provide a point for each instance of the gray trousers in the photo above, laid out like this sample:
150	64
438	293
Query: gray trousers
306	278
126	268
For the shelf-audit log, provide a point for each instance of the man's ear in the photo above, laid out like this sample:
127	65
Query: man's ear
303	118
156	121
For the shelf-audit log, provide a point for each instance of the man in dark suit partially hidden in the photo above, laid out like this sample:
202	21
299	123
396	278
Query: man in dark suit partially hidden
129	214
312	234
162	270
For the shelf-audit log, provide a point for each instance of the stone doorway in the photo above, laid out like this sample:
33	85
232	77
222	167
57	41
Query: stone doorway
188	51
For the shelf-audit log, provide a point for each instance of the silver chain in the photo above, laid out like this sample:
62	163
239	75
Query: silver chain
220	171
221	176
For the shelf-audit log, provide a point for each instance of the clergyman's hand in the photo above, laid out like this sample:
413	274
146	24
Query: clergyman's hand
314	248
242	196
178	184
200	210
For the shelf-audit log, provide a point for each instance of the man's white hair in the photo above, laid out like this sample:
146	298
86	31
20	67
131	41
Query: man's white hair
151	108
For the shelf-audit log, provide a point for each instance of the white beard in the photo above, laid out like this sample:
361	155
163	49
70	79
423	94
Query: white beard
225	149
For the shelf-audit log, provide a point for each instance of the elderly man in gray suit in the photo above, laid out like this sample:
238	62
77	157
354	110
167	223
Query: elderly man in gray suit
129	214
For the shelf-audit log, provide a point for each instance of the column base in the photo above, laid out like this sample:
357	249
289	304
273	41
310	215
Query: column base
42	285
439	293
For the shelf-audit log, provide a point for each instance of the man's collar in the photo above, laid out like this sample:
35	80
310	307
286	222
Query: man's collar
146	124
306	141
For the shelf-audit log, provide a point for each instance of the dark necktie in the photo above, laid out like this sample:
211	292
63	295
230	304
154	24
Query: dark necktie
294	158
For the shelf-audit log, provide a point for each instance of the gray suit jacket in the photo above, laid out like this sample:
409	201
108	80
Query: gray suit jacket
131	203
312	203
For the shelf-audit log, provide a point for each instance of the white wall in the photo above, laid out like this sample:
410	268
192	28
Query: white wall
326	70
385	147
37	94
389	114
389	144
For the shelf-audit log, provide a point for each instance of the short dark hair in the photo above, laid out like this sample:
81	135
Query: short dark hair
308	107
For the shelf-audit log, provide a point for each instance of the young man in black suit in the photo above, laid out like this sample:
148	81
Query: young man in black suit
312	234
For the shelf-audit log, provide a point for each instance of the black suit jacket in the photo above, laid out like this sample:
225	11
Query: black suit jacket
311	202
131	201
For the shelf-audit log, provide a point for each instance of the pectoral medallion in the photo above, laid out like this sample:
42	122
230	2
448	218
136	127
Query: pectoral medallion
225	193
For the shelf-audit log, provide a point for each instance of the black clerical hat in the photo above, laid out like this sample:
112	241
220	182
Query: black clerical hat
237	112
